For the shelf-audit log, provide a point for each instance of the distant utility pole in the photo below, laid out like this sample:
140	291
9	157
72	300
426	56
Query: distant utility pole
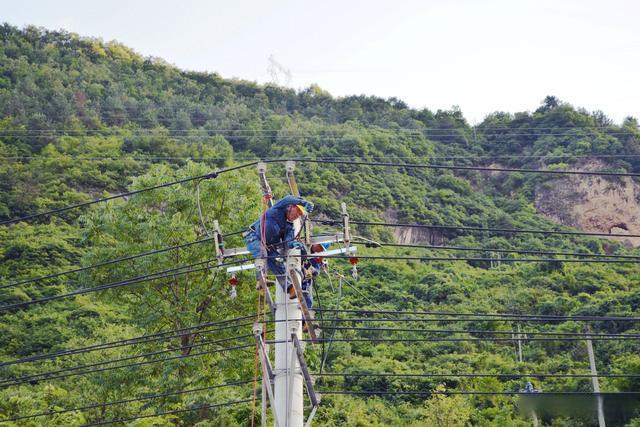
278	73
595	381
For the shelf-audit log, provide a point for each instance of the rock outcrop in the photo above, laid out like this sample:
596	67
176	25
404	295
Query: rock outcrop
593	203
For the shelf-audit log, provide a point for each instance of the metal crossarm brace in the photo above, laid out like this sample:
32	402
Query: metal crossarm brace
257	332
261	266
291	179
218	242
345	224
293	186
267	372
264	184
313	397
294	273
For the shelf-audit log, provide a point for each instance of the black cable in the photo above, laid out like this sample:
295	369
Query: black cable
175	271
159	275
47	376
486	259
210	175
104	263
461	167
115	261
488	393
321	315
481	229
584	335
447	339
526	317
120	402
509	251
175	411
144	339
255	158
461	319
468	375
336	162
237	133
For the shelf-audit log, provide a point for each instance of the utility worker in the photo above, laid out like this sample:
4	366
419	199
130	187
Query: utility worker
311	267
274	234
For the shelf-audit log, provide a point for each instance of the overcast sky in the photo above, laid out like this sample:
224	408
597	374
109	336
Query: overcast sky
483	56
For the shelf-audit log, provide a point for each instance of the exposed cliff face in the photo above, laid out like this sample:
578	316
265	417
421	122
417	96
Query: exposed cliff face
592	203
413	235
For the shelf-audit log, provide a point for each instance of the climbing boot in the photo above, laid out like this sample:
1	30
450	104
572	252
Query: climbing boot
292	292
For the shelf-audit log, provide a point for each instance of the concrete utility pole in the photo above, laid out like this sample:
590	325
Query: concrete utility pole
595	381
288	375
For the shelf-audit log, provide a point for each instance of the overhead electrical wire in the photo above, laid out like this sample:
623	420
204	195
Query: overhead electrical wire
483	259
458	339
210	175
480	393
64	156
527	317
469	228
523	334
98	367
498	250
467	375
175	411
335	162
177	271
465	168
124	401
202	328
144	339
115	261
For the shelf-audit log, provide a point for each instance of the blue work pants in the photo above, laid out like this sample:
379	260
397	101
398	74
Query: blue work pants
254	245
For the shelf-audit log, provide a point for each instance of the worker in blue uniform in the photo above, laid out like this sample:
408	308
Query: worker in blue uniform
273	232
311	267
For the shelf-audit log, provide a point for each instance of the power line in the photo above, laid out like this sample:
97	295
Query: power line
485	259
584	335
104	263
210	175
96	367
197	131
115	261
459	319
468	168
487	393
468	228
482	315
467	375
153	276
120	402
160	336
336	162
497	250
176	272
453	339
175	411
255	158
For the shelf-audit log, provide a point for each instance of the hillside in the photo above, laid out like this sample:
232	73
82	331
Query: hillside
81	119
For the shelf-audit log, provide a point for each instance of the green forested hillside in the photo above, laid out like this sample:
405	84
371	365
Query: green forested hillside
81	119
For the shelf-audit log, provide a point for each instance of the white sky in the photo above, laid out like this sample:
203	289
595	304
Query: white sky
484	56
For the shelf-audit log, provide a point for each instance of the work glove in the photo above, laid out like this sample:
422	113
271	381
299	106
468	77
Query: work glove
298	245
308	206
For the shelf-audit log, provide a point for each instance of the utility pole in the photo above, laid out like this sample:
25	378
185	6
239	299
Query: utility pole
283	385
595	381
519	345
288	380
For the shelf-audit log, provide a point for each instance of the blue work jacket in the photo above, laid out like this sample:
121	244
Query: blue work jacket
278	229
